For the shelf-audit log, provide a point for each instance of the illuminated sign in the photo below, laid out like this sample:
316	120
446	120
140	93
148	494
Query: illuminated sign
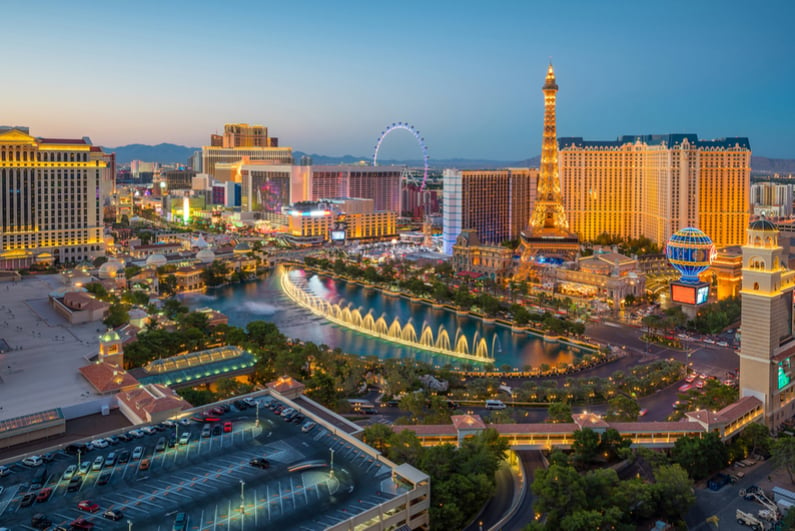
683	294
695	294
338	235
702	295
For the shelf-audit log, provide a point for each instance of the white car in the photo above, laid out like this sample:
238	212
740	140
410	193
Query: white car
98	463
69	472
185	421
184	438
33	460
136	433
149	430
138	452
99	443
4	471
308	426
170	423
85	466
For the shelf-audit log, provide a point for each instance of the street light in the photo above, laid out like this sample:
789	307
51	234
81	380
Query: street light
332	461
242	505
129	525
257	423
79	454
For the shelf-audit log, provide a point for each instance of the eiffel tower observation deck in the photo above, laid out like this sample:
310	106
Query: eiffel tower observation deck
547	234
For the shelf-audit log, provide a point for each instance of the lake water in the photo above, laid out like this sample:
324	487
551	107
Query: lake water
264	300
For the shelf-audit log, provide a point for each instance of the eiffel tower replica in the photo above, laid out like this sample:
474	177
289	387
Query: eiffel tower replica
547	239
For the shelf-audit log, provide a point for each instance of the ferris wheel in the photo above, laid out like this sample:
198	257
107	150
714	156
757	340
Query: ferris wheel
420	141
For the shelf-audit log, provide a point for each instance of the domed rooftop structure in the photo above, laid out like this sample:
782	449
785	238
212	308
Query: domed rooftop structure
205	256
242	247
109	335
762	225
156	260
110	269
690	252
199	243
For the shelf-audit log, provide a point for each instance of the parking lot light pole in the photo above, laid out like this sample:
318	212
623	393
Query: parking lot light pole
332	461
129	525
242	504
79	455
257	423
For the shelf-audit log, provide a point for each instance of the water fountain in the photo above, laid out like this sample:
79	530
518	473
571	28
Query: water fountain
344	315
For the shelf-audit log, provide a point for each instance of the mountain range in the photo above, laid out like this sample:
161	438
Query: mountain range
173	153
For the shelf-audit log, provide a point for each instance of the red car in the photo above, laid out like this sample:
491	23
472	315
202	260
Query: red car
88	506
81	523
44	495
227	426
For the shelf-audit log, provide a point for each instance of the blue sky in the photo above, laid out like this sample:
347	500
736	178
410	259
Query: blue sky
327	77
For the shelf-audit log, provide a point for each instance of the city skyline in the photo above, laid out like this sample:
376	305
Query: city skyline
328	79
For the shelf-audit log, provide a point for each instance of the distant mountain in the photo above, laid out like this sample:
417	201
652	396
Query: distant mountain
162	153
767	166
172	153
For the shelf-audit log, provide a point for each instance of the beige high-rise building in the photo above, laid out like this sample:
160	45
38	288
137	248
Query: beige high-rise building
50	199
767	348
653	185
239	141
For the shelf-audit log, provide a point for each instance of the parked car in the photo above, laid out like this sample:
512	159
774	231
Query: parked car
81	523
217	429
99	443
144	464
48	457
113	514
40	521
27	500
4	471
184	438
138	452
206	430
180	522
104	477
185	421
113	439
160	446
99	461
44	495
124	437
217	410
308	426
85	466
136	433
124	456
260	462
149	430
33	460
74	484
110	460
69	472
241	405
227	427
88	506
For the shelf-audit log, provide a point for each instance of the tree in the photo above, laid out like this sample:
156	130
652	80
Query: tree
622	408
97	290
559	412
700	456
117	315
613	446
755	438
594	520
585	447
673	491
172	308
168	285
378	436
559	491
783	454
215	273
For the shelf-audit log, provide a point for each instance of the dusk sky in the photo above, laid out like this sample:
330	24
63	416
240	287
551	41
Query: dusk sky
327	77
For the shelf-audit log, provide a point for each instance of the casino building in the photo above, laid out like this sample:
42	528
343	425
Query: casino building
51	192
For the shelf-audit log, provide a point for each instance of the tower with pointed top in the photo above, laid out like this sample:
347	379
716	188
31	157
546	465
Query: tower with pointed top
547	232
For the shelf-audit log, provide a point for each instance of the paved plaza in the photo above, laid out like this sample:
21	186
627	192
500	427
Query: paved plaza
39	370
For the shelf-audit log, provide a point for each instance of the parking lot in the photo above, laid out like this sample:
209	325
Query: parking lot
210	479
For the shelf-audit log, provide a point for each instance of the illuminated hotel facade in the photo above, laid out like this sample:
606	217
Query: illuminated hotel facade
240	141
51	194
767	348
495	203
653	185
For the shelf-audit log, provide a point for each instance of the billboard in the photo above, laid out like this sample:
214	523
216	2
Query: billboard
695	294
338	235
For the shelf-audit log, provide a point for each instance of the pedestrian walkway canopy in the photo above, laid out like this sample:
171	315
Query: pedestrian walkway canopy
197	365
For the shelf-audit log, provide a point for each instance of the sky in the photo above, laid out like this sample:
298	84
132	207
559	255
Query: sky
328	77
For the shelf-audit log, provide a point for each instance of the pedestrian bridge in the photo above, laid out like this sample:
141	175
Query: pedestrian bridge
727	422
